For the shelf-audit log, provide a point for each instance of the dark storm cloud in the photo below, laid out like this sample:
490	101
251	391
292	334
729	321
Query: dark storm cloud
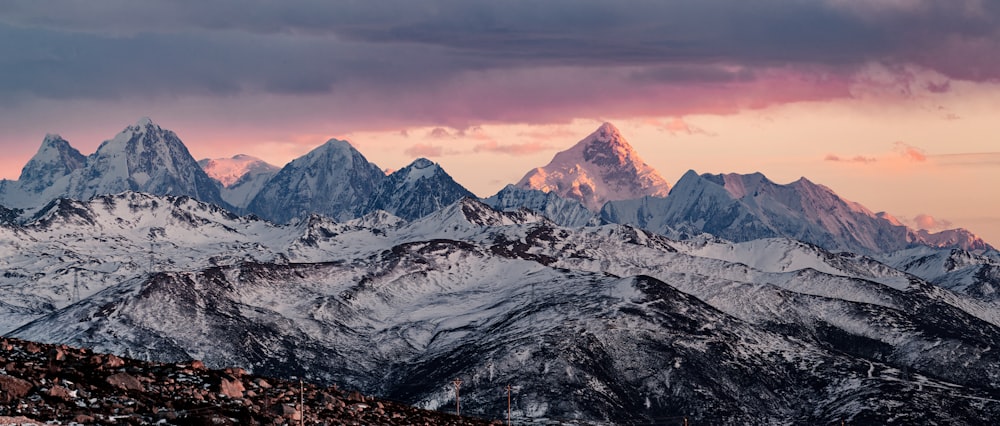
110	48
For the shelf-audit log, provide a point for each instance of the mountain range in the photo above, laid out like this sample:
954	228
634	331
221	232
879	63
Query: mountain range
728	299
597	323
600	179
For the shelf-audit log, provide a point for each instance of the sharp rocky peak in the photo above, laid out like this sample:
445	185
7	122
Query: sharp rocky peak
601	167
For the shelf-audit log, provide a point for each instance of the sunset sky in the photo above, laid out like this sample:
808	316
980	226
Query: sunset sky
893	103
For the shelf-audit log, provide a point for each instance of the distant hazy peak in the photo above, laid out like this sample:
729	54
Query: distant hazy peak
228	171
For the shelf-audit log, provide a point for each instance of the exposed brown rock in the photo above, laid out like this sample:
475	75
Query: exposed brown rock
61	393
83	419
12	388
125	381
111	361
232	388
186	393
57	354
19	420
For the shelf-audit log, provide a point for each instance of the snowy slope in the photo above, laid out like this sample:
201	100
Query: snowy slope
560	210
242	177
333	180
961	271
601	167
594	323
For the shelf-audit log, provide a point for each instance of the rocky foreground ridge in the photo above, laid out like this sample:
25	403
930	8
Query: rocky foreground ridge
58	384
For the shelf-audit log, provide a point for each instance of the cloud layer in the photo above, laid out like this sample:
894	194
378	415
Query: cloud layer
458	63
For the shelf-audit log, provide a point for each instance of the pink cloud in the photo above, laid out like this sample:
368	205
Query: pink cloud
677	126
425	150
549	133
978	159
910	152
440	133
856	159
512	149
935	87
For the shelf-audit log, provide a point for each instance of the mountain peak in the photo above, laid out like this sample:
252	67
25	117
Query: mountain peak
51	138
55	158
416	190
421	163
144	157
142	126
609	131
601	167
337	144
334	180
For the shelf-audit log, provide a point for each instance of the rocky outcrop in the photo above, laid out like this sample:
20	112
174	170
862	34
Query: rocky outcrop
60	384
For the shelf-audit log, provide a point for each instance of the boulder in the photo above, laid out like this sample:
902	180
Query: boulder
12	388
231	388
125	381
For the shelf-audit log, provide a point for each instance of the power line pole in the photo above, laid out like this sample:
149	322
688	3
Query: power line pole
458	405
302	403
508	404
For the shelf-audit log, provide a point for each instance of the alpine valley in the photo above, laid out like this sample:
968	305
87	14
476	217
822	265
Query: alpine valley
600	293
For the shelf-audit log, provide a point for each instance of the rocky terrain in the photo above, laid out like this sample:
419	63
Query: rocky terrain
58	384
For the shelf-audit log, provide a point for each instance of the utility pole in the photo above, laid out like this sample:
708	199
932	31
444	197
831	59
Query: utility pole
508	404
302	403
458	405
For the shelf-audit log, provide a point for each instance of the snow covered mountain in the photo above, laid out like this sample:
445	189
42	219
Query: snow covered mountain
599	168
600	323
242	177
748	207
55	159
562	211
143	157
961	271
960	238
416	190
333	180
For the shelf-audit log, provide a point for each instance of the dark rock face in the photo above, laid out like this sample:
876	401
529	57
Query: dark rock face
157	162
416	191
84	387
